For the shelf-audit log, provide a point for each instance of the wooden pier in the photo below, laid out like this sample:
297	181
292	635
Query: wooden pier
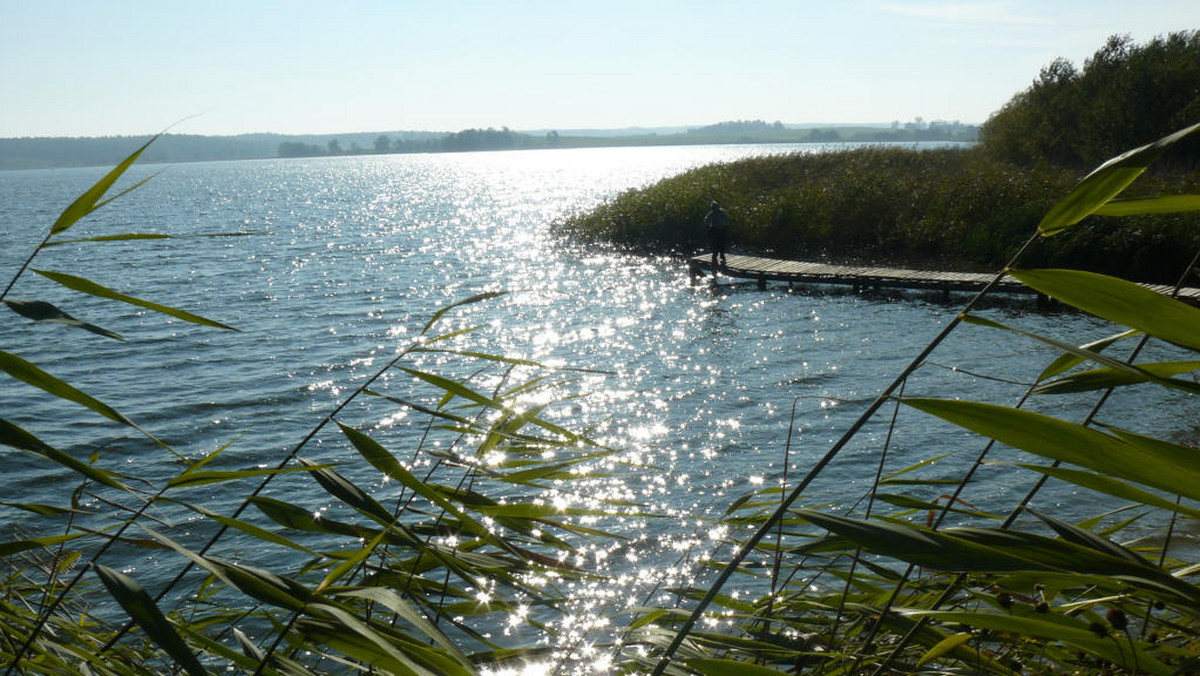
865	277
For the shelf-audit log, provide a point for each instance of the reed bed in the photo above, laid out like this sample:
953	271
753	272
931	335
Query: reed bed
941	208
408	571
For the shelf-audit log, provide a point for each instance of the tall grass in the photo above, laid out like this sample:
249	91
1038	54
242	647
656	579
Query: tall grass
412	566
915	578
937	208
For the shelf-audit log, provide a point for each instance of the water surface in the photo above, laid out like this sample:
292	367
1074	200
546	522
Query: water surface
702	389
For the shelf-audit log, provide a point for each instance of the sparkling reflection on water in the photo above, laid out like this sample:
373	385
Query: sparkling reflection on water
704	390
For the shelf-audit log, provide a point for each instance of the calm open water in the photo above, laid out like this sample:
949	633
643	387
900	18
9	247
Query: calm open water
344	261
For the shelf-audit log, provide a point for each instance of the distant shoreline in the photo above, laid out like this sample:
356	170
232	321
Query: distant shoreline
67	152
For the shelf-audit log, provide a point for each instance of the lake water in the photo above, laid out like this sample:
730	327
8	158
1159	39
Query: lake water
345	259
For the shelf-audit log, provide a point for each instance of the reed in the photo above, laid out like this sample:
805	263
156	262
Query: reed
948	208
406	562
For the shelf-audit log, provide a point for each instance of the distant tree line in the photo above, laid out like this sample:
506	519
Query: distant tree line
1126	95
38	153
742	131
468	140
740	127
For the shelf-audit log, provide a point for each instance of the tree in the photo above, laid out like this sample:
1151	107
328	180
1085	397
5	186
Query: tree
383	144
1125	96
335	148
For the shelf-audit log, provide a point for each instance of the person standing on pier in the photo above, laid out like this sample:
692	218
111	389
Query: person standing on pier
717	224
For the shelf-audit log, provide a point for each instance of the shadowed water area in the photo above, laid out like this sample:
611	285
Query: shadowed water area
701	390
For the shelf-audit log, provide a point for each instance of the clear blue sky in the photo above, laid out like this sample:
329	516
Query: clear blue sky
88	68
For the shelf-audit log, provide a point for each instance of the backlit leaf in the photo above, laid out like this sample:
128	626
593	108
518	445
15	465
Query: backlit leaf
1105	183
717	667
946	645
10	548
1128	372
1069	361
41	311
1157	466
16	437
1119	301
1101	379
82	285
1165	204
478	298
29	373
142	609
1110	486
342	489
1070	631
89	201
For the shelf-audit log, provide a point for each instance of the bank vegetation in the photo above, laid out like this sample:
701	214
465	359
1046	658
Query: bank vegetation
959	207
348	556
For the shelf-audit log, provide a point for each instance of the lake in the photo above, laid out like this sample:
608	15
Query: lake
702	390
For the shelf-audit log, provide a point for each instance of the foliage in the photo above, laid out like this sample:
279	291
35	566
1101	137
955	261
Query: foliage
935	208
404	571
408	567
1125	95
914	578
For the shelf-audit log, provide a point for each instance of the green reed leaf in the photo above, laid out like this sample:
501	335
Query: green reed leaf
109	238
454	388
1134	206
1105	378
142	609
1000	550
201	477
267	586
710	666
388	651
381	459
403	609
250	529
1088	539
29	373
1130	372
16	437
933	549
44	510
298	518
89	201
41	311
944	646
1070	631
1154	466
1119	301
477	298
910	502
350	563
342	489
1110	486
1068	361
360	628
1105	183
290	516
252	651
277	664
82	285
17	546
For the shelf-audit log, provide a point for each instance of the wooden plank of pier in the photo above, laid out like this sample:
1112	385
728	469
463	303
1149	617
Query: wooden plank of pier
867	277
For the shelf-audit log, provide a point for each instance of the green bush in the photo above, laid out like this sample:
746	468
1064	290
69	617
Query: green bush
1125	95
